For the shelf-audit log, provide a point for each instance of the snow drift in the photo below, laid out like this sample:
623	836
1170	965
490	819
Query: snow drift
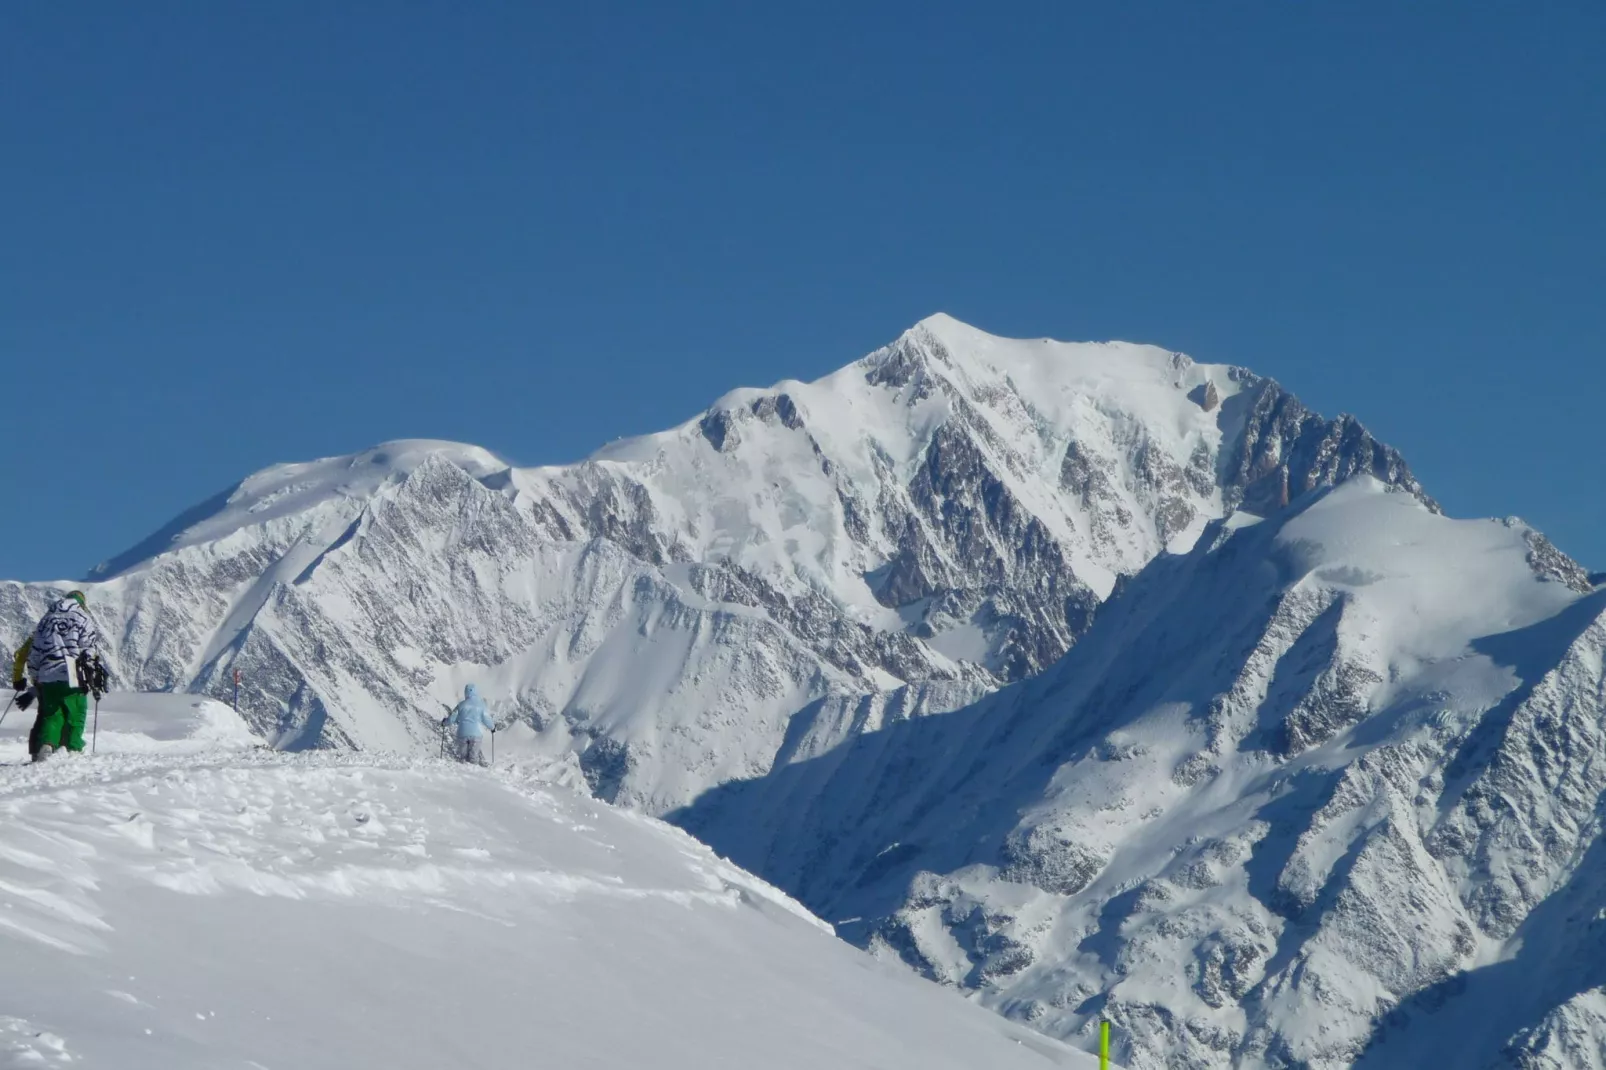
189	899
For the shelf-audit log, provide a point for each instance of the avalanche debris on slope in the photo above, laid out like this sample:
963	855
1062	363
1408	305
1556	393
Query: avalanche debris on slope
187	899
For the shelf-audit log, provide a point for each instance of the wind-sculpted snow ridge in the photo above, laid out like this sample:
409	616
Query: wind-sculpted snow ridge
794	568
1323	792
189	899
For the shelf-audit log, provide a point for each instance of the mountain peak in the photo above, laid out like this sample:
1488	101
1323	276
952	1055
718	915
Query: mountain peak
952	507
948	329
1146	380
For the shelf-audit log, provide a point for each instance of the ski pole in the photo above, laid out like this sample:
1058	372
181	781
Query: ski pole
493	746
10	704
94	733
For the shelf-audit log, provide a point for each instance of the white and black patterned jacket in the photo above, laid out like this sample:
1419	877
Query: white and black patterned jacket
63	634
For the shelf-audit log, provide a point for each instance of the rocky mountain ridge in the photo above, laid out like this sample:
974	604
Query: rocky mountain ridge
901	537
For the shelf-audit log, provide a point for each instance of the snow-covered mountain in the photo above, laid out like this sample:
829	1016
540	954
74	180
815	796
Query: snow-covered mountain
186	899
899	538
1325	791
1084	678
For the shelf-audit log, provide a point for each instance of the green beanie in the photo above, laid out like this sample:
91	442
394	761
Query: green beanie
79	595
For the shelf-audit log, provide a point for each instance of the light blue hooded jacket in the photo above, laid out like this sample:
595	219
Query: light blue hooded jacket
470	716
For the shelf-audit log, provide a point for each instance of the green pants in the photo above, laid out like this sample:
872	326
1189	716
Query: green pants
60	723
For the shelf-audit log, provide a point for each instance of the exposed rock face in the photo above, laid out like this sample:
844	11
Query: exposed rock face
1206	396
1285	449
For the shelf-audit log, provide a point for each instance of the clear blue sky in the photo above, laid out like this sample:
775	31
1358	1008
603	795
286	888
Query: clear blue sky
241	234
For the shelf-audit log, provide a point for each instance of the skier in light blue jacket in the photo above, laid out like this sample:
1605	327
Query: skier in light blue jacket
471	718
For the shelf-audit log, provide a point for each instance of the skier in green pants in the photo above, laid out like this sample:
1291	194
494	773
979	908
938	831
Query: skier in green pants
65	664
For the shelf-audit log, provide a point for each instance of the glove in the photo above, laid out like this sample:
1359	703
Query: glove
25	699
19	685
92	674
444	720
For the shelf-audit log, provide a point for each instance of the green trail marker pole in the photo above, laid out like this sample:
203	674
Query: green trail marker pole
1104	1045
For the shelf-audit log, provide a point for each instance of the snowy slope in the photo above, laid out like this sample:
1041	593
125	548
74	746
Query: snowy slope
190	899
804	563
1325	791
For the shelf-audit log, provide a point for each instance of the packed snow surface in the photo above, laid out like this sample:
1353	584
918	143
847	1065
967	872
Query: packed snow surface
187	898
